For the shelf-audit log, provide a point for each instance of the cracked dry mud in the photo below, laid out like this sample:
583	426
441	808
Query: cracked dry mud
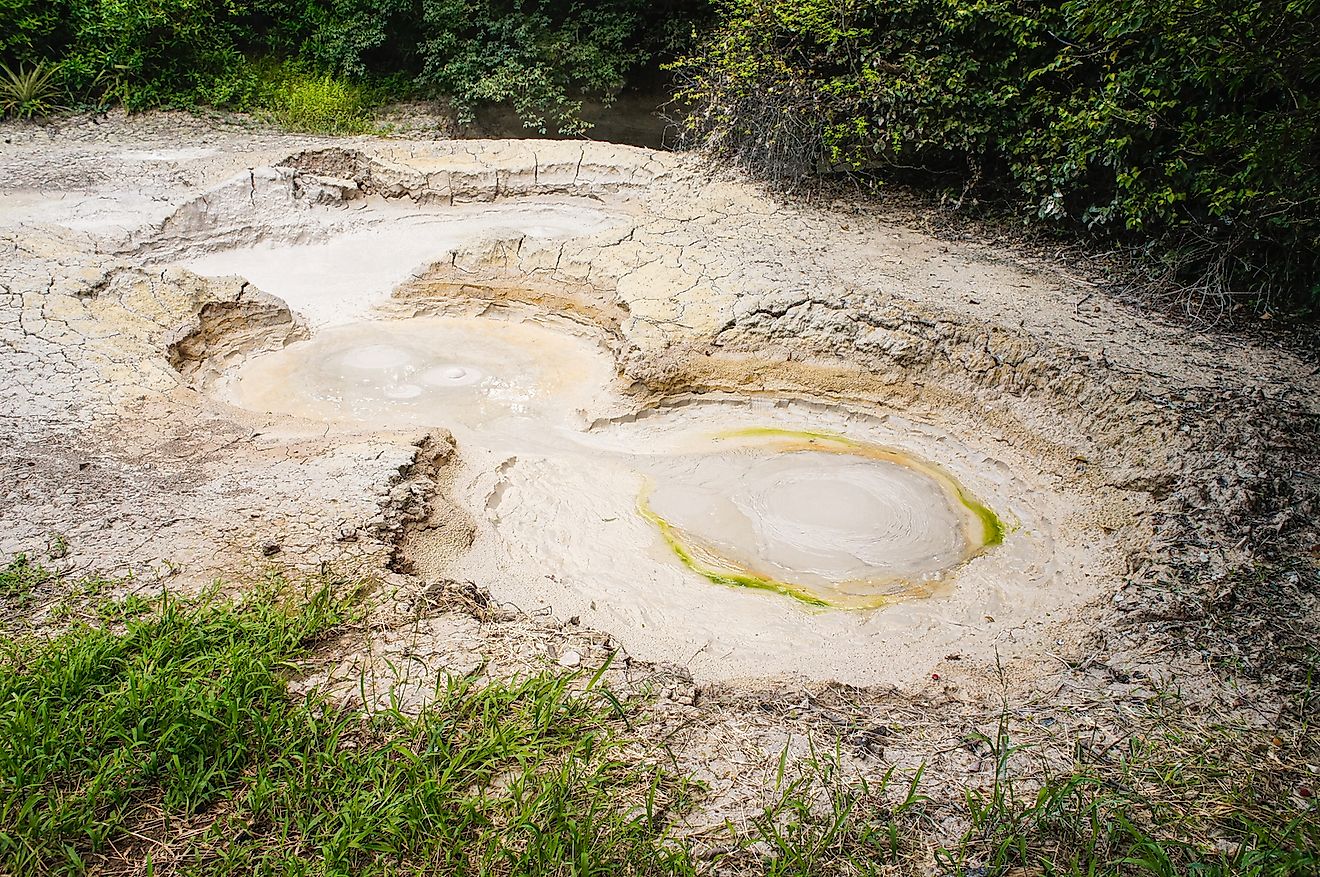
154	271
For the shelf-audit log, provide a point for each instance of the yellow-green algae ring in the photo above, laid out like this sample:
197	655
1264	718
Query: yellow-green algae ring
721	571
715	574
992	528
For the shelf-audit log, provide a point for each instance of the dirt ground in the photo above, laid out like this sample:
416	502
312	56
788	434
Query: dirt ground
1176	469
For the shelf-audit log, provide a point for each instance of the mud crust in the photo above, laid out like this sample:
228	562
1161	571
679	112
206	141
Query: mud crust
1194	454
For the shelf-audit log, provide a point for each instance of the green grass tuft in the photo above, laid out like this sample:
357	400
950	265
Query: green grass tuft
1131	818
171	722
159	733
20	577
29	92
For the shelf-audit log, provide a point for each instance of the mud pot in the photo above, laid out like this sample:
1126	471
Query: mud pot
623	407
673	521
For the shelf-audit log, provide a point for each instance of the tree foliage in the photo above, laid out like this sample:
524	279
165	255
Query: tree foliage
1190	128
540	56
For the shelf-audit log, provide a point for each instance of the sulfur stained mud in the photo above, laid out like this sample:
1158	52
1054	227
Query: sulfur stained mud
725	507
825	520
762	528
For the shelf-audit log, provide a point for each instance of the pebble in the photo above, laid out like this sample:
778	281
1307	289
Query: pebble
570	659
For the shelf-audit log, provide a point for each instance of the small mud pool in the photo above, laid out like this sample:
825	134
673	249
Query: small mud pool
479	376
826	520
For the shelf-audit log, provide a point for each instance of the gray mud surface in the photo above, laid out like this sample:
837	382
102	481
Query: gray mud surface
1141	465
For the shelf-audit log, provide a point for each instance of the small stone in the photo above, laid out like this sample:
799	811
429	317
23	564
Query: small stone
270	549
570	659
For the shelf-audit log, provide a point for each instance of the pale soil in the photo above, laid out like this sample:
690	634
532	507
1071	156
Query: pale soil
1144	462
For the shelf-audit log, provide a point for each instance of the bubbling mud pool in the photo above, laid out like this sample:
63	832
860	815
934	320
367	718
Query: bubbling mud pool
828	520
495	379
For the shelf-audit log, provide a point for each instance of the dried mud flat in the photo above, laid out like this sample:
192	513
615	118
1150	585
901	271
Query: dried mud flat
1159	483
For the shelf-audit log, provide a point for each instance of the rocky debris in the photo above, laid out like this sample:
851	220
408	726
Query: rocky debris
222	333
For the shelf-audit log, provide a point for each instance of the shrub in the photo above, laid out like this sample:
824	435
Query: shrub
1187	128
356	38
159	52
536	60
32	30
538	56
320	105
28	93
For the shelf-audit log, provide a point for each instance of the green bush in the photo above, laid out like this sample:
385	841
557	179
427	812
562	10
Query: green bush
31	31
320	105
539	56
535	60
357	38
1187	128
144	53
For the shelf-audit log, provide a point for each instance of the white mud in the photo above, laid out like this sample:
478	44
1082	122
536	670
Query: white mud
614	392
739	538
332	276
498	382
565	533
